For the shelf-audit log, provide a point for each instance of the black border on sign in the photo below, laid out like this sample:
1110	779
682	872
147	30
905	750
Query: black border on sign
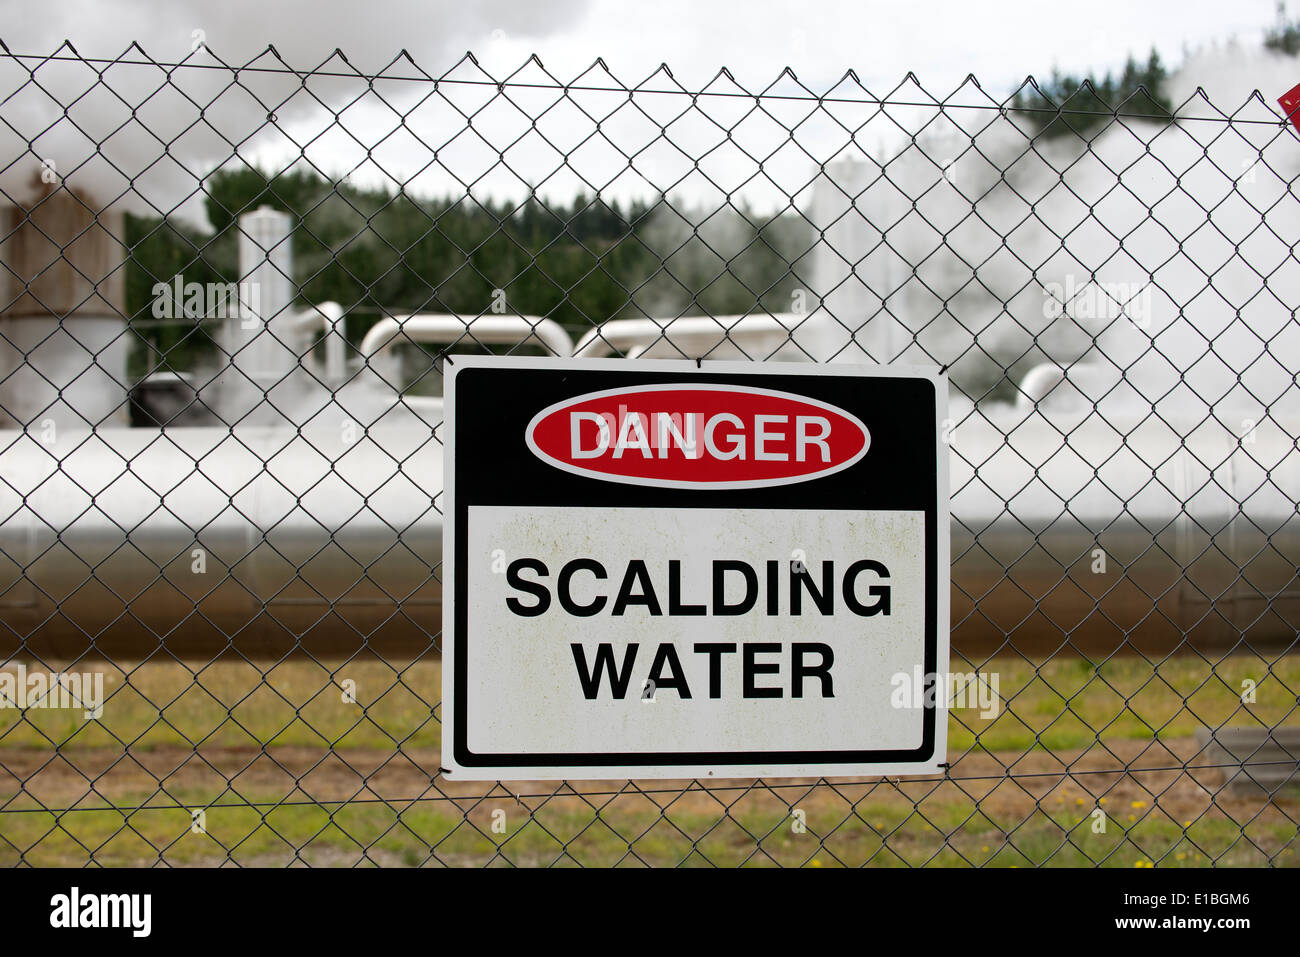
522	762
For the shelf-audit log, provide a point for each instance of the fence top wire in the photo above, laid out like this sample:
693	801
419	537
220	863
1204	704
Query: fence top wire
513	80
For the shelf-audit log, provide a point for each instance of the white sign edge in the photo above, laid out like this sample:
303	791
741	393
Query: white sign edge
938	761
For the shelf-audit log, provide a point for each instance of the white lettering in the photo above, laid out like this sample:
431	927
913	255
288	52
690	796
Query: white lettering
632	421
668	424
737	449
74	910
575	431
762	437
802	438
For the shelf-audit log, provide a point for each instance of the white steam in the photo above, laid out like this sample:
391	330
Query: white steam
1161	256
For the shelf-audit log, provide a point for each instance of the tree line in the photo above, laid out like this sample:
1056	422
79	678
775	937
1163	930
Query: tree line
379	252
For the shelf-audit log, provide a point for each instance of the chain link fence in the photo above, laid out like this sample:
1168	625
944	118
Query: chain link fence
227	293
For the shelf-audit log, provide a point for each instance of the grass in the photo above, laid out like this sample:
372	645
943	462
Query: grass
1072	703
1060	705
634	832
224	736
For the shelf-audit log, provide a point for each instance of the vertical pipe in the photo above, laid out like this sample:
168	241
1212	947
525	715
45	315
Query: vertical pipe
260	336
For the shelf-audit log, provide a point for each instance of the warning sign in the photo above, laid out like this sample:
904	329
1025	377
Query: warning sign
658	569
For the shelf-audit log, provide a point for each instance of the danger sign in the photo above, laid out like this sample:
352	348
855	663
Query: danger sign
697	436
659	569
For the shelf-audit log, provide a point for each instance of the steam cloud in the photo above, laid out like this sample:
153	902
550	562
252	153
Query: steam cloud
1180	234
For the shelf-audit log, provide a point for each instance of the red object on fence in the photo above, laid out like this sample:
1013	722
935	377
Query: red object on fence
1290	101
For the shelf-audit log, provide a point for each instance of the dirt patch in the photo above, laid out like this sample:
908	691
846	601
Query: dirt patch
1126	774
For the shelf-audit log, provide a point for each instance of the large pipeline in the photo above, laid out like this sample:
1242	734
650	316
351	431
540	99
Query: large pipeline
195	541
1069	534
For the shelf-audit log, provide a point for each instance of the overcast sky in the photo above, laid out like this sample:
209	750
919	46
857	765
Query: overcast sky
387	136
941	41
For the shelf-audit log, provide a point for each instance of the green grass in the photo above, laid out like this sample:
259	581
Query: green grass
1064	706
1060	705
881	832
1072	703
233	705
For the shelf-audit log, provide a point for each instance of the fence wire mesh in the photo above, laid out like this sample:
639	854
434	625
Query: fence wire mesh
227	293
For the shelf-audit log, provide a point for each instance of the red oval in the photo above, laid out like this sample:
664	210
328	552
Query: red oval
697	436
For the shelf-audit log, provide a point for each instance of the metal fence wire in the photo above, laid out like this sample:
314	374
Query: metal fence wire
227	294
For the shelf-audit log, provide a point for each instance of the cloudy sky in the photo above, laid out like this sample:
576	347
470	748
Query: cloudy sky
941	41
387	137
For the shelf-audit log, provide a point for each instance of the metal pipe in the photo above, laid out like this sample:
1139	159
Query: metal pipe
191	541
690	336
440	328
328	318
1079	385
1074	532
1069	533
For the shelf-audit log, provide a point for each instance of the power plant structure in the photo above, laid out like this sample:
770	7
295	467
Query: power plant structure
297	509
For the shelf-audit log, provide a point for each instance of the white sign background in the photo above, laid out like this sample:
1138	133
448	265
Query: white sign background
524	689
